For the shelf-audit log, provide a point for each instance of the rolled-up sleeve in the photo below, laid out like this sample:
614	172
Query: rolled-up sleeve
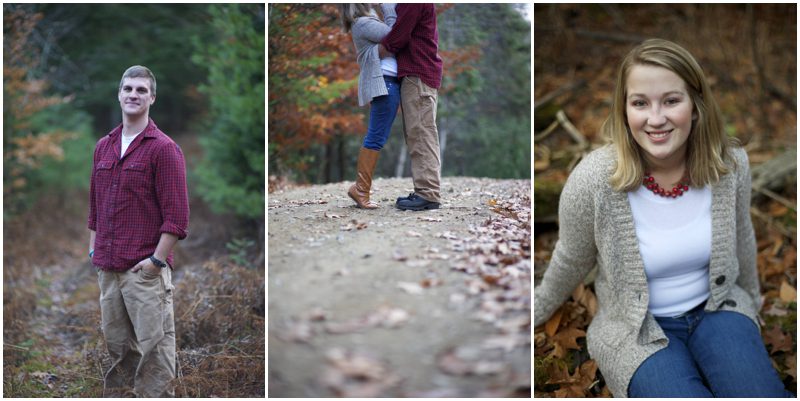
171	190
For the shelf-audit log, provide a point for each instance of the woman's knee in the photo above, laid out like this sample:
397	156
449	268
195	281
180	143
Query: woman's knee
670	372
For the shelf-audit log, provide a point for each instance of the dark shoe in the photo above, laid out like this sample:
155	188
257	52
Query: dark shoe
359	192
416	204
409	197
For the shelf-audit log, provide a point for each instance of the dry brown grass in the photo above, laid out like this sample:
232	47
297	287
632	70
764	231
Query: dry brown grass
53	345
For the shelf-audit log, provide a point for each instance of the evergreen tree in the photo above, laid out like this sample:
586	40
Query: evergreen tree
231	176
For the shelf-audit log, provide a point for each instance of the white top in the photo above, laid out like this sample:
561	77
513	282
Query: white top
126	141
675	244
389	66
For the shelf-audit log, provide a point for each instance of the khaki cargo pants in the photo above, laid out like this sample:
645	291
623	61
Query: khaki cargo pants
139	328
422	138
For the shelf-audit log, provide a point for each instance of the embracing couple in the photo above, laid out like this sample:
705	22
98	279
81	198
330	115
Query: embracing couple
399	66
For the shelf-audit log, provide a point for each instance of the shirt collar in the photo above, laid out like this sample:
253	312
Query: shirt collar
149	131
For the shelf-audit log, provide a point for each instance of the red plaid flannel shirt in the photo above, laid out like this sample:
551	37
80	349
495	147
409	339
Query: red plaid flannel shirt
134	199
414	40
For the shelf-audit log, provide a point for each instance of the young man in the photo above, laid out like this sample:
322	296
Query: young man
414	40
138	210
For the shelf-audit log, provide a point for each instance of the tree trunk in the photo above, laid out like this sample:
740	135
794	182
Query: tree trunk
442	142
328	162
401	161
342	158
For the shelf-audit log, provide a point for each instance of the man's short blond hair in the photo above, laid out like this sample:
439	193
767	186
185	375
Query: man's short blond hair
139	71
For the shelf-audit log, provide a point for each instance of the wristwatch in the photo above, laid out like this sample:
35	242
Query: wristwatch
158	262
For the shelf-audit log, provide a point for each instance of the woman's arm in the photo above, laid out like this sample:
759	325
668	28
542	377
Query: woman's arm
370	28
389	13
576	251
745	236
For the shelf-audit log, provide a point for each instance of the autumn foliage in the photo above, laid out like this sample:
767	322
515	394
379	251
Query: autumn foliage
313	76
313	82
25	146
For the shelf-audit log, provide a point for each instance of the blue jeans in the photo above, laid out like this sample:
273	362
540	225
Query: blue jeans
383	110
710	354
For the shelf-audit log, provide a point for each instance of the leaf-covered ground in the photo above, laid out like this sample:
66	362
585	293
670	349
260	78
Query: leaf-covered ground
392	303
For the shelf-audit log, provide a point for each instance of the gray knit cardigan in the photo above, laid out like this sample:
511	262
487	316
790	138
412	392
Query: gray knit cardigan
367	34
597	229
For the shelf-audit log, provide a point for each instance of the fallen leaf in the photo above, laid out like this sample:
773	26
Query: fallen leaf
777	209
385	316
777	340
788	293
297	331
350	326
358	376
457	298
775	310
430	282
579	383
354	225
491	279
791	366
506	342
332	216
552	325
571	391
447	235
577	294
451	363
411	288
418	263
568	337
317	315
558	373
515	324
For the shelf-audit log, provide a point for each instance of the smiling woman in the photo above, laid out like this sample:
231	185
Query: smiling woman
660	115
677	285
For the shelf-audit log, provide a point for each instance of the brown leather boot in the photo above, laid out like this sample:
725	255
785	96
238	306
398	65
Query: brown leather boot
359	192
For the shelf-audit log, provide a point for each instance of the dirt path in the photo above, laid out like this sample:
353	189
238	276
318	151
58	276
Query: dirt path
394	303
53	344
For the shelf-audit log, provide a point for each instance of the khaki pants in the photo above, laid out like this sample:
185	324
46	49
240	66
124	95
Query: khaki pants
422	138
139	328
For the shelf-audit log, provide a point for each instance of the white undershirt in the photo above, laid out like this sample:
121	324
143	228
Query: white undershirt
126	141
389	66
675	244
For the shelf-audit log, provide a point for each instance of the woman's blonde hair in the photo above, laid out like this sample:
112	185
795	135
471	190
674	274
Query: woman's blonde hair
349	12
708	148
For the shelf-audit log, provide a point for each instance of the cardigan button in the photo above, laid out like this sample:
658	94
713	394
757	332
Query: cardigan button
720	280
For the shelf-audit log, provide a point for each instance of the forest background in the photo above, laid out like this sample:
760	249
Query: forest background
61	70
483	116
748	53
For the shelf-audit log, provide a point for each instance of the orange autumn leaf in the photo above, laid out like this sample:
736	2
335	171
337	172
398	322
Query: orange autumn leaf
552	325
568	338
788	293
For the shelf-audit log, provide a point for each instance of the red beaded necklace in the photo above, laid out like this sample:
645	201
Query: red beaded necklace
650	183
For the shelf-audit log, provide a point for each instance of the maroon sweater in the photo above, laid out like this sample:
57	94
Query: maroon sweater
414	40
